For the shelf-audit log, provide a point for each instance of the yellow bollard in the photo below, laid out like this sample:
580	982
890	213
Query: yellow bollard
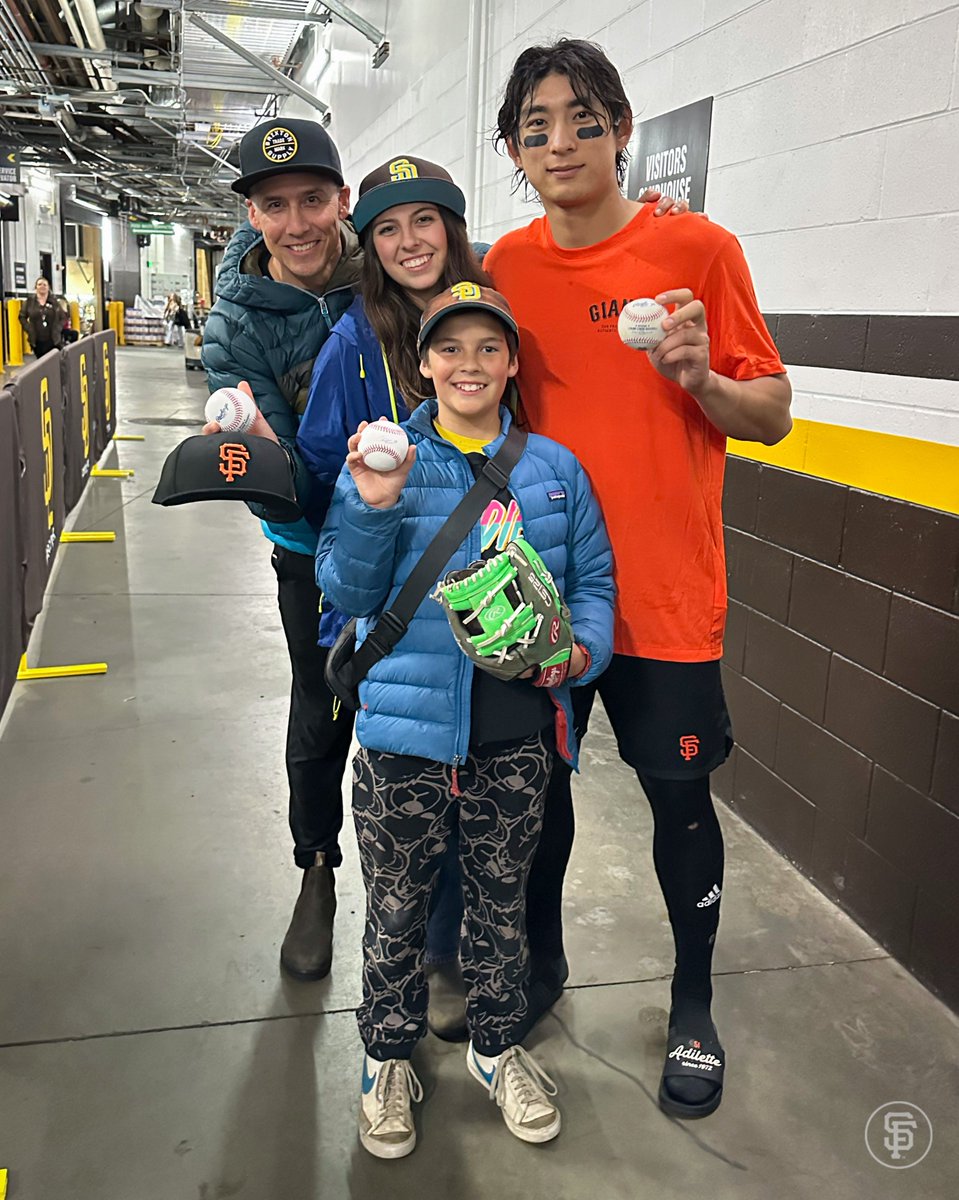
15	334
93	535
115	318
74	315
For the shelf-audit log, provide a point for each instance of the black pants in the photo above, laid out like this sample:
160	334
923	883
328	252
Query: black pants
404	821
317	737
670	723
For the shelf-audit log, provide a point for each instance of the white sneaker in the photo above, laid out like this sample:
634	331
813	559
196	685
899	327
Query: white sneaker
521	1088
386	1117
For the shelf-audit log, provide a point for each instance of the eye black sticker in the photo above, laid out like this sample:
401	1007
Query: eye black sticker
534	140
590	131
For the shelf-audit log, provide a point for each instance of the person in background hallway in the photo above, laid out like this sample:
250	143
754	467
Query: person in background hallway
43	317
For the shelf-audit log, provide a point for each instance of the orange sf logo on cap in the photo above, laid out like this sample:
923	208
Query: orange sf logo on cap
465	291
402	168
233	459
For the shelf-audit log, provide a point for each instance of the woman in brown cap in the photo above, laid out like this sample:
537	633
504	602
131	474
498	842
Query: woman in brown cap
409	216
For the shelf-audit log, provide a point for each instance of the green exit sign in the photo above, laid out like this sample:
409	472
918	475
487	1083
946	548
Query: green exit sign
151	228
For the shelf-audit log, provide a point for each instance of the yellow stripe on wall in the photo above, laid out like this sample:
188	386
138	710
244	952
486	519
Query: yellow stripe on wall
921	472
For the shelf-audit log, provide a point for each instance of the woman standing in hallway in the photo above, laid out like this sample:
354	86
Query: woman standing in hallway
43	317
410	219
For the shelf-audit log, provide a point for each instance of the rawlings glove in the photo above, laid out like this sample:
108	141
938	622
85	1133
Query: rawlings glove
508	617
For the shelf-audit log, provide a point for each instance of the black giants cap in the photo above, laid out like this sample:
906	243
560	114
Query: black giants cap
464	297
282	145
230	466
406	181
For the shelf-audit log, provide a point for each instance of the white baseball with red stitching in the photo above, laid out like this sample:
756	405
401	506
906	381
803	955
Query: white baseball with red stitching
383	446
232	410
641	324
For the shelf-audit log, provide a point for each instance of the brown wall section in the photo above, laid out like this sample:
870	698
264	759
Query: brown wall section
842	676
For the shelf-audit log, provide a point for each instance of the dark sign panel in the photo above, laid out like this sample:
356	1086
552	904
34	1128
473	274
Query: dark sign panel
9	166
671	153
20	276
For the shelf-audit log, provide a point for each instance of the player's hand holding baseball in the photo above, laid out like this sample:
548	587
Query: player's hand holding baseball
683	354
260	427
378	489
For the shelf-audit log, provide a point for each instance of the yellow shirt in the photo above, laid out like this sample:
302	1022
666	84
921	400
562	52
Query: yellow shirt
466	444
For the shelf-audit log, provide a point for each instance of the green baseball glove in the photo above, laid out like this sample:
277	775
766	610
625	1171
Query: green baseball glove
507	616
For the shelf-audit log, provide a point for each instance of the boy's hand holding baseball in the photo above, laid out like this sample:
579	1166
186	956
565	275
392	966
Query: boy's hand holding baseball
378	489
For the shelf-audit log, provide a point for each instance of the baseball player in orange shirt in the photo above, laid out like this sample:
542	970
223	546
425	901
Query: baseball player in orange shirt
651	431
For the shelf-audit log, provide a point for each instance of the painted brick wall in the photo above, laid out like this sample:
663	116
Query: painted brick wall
842	676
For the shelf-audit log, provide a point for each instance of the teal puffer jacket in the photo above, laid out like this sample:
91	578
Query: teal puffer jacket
269	334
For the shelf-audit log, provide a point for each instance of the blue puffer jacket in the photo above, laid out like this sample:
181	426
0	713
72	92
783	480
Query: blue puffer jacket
351	382
269	334
417	699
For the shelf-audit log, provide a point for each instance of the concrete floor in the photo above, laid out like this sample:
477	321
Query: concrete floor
149	1048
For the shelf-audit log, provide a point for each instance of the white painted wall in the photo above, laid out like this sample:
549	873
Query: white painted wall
834	151
171	266
37	231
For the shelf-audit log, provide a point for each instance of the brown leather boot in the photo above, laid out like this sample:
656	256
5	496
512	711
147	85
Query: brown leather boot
446	1015
307	950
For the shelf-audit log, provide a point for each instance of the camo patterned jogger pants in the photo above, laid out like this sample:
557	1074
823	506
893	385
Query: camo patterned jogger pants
402	826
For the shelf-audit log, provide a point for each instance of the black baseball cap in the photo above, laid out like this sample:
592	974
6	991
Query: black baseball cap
406	181
464	297
230	466
282	145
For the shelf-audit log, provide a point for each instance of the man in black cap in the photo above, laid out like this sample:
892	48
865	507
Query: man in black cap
287	277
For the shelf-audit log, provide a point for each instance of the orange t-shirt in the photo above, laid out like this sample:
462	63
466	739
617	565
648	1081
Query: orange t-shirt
655	461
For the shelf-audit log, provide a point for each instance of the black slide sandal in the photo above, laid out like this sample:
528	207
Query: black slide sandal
688	1057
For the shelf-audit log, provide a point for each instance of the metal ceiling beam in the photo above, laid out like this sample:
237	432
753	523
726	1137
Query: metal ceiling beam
212	83
52	50
257	12
264	68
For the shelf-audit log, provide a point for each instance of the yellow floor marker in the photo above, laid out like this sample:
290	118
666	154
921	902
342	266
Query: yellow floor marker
99	473
129	437
94	535
26	673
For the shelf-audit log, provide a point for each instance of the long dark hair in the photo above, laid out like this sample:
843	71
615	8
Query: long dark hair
394	316
592	77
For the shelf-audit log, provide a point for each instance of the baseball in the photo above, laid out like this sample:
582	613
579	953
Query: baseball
383	446
641	324
232	410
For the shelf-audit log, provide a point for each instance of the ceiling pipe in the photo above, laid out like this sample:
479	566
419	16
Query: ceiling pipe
95	39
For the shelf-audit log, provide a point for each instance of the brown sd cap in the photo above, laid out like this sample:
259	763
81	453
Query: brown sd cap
463	297
230	466
406	181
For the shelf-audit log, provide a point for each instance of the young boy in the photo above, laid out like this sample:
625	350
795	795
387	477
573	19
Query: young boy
442	745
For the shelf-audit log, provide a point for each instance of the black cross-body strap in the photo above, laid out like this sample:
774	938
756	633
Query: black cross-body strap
391	626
